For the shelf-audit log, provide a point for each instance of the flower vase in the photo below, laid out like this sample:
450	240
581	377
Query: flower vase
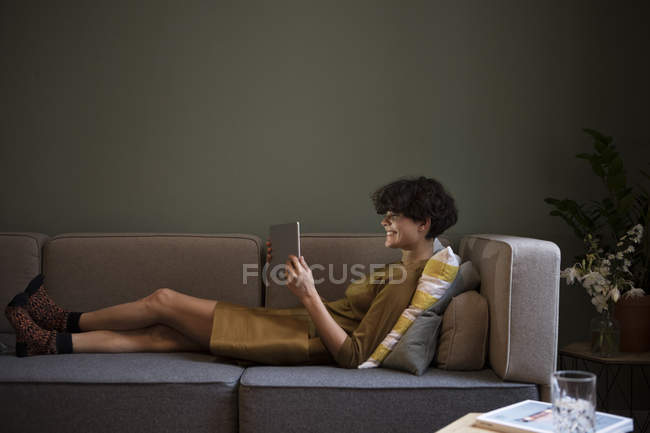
605	335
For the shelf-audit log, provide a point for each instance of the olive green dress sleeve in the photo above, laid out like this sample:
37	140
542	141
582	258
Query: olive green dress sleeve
385	309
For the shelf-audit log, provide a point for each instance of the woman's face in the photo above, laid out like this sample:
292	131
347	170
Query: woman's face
401	231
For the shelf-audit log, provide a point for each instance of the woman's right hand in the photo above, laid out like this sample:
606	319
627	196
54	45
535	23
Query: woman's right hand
268	251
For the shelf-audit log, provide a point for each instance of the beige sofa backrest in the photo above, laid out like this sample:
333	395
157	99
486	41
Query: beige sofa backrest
86	271
20	261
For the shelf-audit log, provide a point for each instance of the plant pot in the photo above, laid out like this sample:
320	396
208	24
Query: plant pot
633	316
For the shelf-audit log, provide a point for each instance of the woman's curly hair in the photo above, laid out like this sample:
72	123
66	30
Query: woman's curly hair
418	198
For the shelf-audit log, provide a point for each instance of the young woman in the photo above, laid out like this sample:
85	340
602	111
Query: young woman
346	331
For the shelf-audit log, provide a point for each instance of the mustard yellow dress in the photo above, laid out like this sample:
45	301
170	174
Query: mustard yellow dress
288	336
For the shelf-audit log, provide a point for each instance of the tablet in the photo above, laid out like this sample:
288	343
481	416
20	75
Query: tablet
285	240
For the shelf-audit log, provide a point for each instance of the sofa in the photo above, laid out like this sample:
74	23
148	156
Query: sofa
198	392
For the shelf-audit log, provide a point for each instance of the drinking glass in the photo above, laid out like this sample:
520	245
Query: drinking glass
573	394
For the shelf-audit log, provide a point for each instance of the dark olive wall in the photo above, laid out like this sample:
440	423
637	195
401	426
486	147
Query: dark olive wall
214	117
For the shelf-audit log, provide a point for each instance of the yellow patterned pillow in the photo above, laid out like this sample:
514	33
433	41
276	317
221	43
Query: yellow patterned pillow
438	274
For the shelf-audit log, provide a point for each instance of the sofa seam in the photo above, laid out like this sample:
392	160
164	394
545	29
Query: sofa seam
151	235
406	388
114	383
206	236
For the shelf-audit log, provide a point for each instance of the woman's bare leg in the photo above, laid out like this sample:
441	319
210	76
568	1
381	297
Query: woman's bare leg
121	317
189	315
156	338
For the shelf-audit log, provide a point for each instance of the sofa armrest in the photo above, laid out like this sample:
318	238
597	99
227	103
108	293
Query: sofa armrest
20	262
520	277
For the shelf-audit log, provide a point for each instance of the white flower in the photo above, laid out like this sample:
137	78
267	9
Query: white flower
615	294
604	271
637	231
606	262
599	288
619	255
629	249
571	274
599	302
610	256
593	278
627	262
634	293
619	244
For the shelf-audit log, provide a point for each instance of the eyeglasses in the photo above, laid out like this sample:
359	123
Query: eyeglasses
391	217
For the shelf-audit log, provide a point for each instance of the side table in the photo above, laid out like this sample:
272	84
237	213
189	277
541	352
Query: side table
611	372
464	424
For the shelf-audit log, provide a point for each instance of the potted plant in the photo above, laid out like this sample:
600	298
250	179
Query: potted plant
614	268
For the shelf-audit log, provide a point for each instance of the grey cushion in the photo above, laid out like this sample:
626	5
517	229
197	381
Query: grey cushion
162	392
417	347
324	398
467	279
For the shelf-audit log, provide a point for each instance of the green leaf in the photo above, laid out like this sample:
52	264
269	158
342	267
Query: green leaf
609	155
616	182
598	136
616	166
595	134
566	204
597	168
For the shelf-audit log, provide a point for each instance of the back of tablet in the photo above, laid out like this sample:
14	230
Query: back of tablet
285	240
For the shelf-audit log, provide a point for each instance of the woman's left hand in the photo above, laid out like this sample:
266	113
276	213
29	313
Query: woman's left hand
299	277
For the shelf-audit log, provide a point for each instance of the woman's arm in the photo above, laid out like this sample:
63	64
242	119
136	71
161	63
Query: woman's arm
301	282
330	333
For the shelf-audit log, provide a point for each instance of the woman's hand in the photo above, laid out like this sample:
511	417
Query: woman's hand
299	278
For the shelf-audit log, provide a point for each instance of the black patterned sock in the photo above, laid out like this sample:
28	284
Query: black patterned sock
46	313
30	338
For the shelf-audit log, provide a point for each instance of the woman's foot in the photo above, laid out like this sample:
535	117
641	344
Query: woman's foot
45	312
30	338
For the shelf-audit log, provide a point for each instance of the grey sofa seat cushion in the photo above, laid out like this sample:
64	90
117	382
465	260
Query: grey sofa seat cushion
278	399
107	368
161	392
